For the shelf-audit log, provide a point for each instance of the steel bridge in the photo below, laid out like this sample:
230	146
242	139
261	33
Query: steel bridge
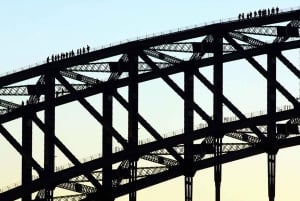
75	77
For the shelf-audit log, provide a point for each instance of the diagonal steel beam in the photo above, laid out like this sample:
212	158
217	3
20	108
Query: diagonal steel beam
66	151
148	127
19	148
261	70
229	104
93	112
288	64
175	87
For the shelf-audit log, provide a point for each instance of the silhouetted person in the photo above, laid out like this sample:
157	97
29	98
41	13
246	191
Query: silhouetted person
73	53
79	50
269	12
277	10
52	58
255	13
273	11
259	13
47	59
67	54
88	48
242	15
83	50
250	15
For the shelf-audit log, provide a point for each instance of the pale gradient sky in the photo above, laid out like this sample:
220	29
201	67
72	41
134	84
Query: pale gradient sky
32	30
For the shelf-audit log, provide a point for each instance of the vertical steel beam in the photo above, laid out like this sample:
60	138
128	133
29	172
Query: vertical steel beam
271	176
188	128
107	145
49	140
218	111
27	148
133	117
271	123
188	184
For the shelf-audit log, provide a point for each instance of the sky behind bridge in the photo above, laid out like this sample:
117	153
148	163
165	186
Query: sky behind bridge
32	30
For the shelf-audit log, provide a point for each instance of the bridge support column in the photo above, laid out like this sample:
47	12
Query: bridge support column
188	128
107	146
49	139
218	167
27	147
188	180
271	124
132	118
218	111
271	176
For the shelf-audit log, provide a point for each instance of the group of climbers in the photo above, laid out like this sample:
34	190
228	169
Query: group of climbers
65	55
259	13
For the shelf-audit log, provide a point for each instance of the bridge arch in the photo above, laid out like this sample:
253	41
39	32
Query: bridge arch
202	142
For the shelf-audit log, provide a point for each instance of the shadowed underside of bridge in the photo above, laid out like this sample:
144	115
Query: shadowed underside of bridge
53	84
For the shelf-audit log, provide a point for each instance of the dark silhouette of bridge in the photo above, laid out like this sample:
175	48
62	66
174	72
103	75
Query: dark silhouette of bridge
116	173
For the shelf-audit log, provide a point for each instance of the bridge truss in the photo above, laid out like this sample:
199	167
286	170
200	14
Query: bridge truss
44	88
